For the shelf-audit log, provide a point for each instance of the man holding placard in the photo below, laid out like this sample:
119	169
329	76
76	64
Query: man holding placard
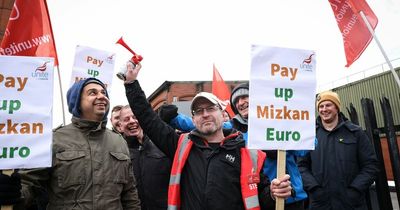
283	68
90	169
211	167
239	101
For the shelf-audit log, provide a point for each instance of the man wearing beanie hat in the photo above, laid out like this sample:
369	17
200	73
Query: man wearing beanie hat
338	173
240	104
91	168
328	96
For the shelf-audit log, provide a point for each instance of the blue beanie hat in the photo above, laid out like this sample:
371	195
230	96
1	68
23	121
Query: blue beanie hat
74	95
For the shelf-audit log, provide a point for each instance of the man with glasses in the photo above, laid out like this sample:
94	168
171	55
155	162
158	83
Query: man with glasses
211	168
239	102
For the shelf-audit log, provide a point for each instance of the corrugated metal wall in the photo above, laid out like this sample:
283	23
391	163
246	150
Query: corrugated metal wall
374	87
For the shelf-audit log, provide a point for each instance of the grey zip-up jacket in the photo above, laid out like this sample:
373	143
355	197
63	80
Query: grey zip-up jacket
91	169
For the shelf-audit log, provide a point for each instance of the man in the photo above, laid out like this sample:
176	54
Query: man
239	102
211	169
115	118
150	166
91	168
338	173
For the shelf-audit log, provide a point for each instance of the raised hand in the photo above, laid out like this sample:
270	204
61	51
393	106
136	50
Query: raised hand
132	71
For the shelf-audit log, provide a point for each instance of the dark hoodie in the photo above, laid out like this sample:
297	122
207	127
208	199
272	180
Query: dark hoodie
74	96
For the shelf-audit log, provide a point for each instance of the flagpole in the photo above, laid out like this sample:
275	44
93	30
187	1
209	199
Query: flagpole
56	60
396	77
61	94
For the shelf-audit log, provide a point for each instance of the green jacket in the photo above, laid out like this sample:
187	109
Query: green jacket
91	169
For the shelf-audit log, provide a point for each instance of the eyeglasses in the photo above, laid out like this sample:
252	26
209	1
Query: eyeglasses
209	109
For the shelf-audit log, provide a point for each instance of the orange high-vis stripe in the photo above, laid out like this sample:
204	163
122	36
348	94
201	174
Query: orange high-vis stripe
251	163
181	154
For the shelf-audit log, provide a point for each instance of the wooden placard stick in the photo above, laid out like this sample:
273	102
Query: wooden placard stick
281	170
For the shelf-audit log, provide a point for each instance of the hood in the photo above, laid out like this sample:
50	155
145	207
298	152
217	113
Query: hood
234	93
87	125
74	96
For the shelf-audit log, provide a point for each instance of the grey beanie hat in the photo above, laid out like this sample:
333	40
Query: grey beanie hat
239	92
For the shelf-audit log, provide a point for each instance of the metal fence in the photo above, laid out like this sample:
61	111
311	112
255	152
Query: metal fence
382	198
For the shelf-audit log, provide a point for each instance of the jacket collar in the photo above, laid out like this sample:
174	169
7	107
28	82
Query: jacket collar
87	125
343	121
239	119
133	142
231	140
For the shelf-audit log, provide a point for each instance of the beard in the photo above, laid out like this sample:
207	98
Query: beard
208	130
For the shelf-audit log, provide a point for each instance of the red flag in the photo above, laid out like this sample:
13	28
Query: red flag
356	36
28	31
221	90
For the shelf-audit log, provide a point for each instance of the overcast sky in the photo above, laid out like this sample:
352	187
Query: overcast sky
181	39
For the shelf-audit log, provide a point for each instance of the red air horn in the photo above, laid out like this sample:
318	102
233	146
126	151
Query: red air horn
136	58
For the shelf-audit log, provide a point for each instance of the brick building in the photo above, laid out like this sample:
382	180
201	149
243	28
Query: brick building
181	93
5	10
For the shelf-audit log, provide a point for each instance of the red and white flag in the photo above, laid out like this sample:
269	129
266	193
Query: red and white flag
221	90
356	36
28	31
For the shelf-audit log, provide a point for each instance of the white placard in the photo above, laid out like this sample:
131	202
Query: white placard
90	62
26	104
282	99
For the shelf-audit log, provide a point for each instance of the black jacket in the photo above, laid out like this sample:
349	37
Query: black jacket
211	177
151	168
338	173
239	123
